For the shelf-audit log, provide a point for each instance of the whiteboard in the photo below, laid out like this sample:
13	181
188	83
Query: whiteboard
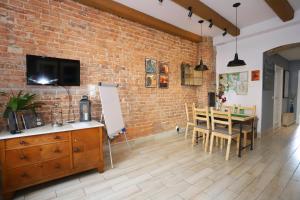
111	109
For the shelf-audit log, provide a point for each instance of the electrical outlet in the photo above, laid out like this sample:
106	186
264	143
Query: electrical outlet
177	128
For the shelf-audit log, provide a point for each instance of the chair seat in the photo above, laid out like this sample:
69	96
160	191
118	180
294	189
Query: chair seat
202	126
225	131
246	128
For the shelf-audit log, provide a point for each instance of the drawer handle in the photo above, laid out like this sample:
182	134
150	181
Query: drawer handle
57	151
57	137
57	166
23	157
23	142
76	149
24	175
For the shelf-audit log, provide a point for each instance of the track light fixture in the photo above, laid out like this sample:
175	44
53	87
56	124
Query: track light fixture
225	32
210	23
190	11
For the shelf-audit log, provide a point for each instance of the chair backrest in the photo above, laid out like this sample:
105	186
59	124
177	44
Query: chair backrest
248	110
202	115
221	118
187	112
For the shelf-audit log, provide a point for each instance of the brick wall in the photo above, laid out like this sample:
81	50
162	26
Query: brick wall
111	49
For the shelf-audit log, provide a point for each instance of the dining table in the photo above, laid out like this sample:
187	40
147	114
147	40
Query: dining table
243	119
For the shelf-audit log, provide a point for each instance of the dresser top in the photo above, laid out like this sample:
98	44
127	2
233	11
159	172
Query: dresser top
50	129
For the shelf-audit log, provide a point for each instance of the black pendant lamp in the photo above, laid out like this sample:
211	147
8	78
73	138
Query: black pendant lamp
201	67
236	61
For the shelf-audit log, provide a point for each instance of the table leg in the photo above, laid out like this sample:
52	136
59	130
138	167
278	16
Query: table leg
240	146
252	135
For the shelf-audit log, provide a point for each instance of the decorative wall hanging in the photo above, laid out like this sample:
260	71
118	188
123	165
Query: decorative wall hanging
163	75
151	80
236	82
150	65
163	81
255	75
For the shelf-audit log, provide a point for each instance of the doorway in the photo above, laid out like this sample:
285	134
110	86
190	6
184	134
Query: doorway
278	86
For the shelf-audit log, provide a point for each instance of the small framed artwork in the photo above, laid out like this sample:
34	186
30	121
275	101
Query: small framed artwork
150	65
163	81
163	68
151	80
255	75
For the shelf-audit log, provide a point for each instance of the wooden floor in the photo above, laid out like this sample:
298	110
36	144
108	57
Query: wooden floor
169	168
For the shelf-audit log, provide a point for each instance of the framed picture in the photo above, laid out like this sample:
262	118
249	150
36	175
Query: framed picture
151	80
255	75
163	81
163	68
150	65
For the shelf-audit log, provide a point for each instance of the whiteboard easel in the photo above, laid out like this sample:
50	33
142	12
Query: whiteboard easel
111	113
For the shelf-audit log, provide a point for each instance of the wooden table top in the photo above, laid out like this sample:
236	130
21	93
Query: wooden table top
239	117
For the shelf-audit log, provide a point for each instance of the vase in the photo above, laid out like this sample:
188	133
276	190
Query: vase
13	123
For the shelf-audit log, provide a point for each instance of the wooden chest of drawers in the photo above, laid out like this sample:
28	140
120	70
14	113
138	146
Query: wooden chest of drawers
31	160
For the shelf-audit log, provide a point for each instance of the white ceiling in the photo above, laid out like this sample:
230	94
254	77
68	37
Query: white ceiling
291	54
250	12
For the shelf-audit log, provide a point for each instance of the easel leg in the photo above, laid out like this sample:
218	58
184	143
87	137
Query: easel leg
126	139
110	154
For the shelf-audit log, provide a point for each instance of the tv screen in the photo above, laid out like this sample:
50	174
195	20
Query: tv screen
52	71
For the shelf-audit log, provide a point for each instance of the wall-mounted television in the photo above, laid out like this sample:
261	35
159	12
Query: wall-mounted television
52	71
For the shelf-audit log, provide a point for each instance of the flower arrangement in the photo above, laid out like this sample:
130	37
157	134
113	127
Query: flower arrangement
221	97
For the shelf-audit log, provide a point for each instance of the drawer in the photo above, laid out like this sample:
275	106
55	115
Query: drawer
36	140
56	137
22	176
23	142
56	167
55	150
19	157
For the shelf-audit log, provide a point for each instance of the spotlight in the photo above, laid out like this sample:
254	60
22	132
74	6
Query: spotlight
210	23
190	11
200	21
225	32
160	1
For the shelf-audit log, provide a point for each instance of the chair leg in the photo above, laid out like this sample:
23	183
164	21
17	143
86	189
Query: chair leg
203	138
237	144
211	143
206	142
221	143
186	130
245	139
217	141
228	149
193	137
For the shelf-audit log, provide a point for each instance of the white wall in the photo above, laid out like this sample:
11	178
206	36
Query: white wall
253	42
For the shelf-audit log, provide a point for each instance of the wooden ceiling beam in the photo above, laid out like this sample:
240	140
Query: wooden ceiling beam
282	8
205	12
128	13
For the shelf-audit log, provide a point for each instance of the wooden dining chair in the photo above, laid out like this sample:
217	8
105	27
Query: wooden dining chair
227	133
247	128
189	122
202	126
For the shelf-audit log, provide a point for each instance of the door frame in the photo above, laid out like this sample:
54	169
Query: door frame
298	100
277	83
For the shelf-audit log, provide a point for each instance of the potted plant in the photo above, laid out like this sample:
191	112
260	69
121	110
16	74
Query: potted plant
17	103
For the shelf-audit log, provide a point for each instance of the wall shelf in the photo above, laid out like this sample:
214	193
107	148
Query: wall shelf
189	76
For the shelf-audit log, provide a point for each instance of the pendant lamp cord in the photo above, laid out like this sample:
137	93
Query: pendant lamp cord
236	30
201	42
